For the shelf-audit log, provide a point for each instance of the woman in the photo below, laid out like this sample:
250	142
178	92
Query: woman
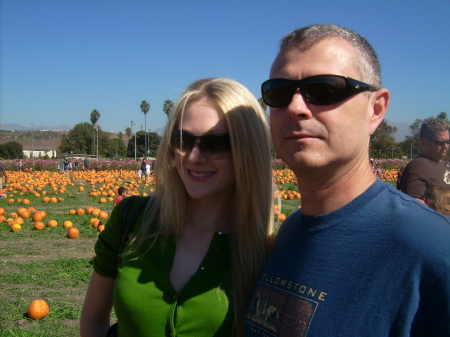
190	263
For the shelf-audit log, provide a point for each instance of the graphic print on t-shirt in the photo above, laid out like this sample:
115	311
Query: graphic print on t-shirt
275	312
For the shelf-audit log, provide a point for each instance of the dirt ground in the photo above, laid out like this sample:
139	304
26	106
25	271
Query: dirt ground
29	249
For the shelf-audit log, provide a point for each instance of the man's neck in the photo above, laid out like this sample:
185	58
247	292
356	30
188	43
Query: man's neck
323	194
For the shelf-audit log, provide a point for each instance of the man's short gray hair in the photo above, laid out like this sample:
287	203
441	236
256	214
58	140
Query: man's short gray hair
366	60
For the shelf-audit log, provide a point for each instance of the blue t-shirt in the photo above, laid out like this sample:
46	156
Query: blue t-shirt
378	266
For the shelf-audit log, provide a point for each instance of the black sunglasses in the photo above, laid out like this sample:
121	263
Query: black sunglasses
211	146
317	90
439	142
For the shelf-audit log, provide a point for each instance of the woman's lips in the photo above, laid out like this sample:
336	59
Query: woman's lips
199	176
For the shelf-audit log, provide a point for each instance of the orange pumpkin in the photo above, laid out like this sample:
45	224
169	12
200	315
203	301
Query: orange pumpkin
73	233
38	309
16	227
95	223
101	228
103	215
52	223
96	211
80	211
39	225
67	224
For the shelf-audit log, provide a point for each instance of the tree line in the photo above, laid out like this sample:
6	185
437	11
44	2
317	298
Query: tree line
87	138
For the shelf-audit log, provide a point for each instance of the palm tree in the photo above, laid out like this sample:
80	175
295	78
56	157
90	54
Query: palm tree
167	107
145	107
128	132
95	116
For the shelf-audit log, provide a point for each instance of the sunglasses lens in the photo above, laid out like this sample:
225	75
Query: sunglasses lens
278	92
211	146
317	90
182	142
325	90
214	146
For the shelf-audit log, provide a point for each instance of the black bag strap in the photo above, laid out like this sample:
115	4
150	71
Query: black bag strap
126	227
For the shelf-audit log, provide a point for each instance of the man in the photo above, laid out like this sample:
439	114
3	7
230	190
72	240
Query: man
428	168
359	258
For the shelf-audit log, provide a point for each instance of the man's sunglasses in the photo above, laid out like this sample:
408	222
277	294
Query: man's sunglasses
317	90
211	146
439	142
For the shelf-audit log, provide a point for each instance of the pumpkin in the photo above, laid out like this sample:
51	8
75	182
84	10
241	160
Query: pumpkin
67	224
95	212
16	227
80	211
96	223
72	212
103	215
101	228
73	233
38	309
52	223
39	225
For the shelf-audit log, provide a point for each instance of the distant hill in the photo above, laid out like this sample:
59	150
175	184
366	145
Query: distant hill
19	127
402	130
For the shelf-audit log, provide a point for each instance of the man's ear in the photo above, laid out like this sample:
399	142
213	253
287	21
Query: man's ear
379	101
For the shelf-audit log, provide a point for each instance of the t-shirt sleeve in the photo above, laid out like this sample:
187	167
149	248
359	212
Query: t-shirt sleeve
107	246
414	185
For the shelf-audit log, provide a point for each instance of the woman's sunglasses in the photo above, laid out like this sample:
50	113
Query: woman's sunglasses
212	146
317	90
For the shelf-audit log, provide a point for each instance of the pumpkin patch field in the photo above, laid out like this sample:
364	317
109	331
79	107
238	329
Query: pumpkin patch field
49	223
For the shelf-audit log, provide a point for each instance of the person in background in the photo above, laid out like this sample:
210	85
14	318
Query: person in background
399	178
438	198
138	169
86	164
122	193
147	171
3	175
20	165
428	168
360	258
195	251
143	169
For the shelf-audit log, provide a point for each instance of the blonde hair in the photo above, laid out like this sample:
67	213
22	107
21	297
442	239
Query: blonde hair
251	221
438	198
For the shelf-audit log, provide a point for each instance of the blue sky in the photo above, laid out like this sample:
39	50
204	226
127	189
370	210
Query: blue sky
61	59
